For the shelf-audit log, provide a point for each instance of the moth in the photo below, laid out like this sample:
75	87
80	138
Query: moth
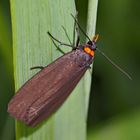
45	92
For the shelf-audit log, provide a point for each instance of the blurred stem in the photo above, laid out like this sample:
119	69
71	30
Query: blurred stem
6	72
91	27
5	41
92	17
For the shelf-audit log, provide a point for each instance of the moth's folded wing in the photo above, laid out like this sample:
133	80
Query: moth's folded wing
42	87
45	106
32	89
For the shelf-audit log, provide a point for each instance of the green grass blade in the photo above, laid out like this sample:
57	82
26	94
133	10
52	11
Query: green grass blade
91	26
31	19
92	17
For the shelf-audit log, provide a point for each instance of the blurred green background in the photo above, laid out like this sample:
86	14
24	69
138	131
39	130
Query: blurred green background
114	109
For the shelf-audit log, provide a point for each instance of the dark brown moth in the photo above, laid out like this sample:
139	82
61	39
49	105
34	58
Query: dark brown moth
38	98
45	92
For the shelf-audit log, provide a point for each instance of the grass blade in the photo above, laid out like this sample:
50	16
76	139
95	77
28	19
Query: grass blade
91	26
31	19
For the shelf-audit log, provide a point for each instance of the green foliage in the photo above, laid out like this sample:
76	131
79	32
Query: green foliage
6	77
125	127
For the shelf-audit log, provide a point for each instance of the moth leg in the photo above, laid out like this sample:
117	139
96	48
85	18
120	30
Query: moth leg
88	66
37	67
61	43
78	36
78	40
90	72
67	35
57	47
74	33
76	28
80	28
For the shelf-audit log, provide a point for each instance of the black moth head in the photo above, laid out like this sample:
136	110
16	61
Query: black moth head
92	45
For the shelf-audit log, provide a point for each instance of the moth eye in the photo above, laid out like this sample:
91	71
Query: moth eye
89	42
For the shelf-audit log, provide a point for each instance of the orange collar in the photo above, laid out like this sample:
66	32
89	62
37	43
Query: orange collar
89	51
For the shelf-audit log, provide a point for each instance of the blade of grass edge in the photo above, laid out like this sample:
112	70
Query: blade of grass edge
31	47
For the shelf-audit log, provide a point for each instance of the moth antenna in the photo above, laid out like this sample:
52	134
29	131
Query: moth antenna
81	28
114	64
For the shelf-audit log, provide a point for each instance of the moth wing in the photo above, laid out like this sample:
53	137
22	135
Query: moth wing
43	90
38	112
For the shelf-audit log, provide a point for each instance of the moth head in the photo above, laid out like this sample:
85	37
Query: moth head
92	42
